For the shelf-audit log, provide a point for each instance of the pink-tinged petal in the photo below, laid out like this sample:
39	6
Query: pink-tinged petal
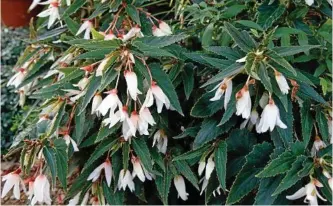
16	190
146	115
9	184
228	93
96	173
138	170
218	94
108	172
164	27
132	84
39	187
300	193
157	32
180	186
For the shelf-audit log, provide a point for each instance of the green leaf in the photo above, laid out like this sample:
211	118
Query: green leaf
50	158
109	76
227	52
221	163
91	44
164	82
193	153
76	5
229	71
125	153
133	13
264	78
246	181
100	150
160	41
306	122
233	10
279	165
207	37
266	188
61	156
250	24
141	149
163	184
105	131
72	25
188	79
292	50
206	108
239	38
113	197
189	132
275	57
241	141
291	177
96	34
140	67
57	119
91	89
322	124
183	167
269	13
309	92
95	54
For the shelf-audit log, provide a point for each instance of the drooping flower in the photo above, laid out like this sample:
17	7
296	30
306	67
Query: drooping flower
241	60
97	172
209	167
282	82
102	66
125	180
329	177
145	118
132	84
110	36
309	2
68	2
224	86
243	104
161	141
97	100
251	121
18	78
138	169
34	4
160	98
201	168
13	180
86	28
165	28
269	118
180	187
136	30
74	94
110	102
69	140
310	191
41	190
82	84
264	100
75	200
318	144
52	12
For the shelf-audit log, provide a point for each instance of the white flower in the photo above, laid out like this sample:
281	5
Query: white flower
86	28
68	2
158	32
51	109
125	180
329	177
107	170
97	100
69	140
41	190
201	168
251	121
309	2
74	94
110	36
34	4
224	86
282	82
241	60
52	12
310	191
180	186
102	66
204	184
243	104
161	141
82	84
318	144
269	118
264	100
209	167
160	98
13	180
110	102
165	28
145	118
75	200
138	169
18	78
131	33
132	84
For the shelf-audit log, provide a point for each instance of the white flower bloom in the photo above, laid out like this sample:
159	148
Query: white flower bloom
269	118
204	184
309	2
264	100
69	140
52	12
201	167
161	141
68	2
250	122
97	100
310	191
181	187
243	104
97	172
110	36
329	177
224	86
131	33
75	200
18	78
110	102
132	84
158	32
22	97
74	94
102	66
82	84
318	144
125	180
165	28
34	4
209	167
41	190
160	98
282	82
138	169
241	60
145	118
86	28
13	180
